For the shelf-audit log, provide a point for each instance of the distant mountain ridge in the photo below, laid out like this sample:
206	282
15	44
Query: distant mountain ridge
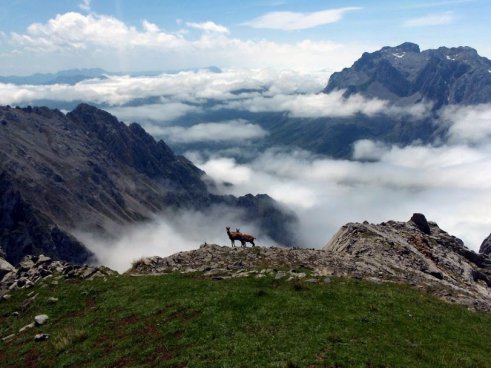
88	171
74	76
406	75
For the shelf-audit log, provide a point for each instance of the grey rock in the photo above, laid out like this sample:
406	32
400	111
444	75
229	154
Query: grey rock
280	275
5	268
8	338
41	337
421	223
27	327
43	259
41	319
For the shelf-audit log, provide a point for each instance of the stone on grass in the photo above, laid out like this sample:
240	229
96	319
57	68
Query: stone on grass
41	319
41	337
26	327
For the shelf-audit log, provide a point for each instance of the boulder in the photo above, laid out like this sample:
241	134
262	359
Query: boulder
5	267
41	319
421	223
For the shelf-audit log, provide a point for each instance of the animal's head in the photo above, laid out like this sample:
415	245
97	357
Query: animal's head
228	228
237	230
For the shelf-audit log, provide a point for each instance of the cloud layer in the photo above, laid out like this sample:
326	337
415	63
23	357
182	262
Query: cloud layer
449	184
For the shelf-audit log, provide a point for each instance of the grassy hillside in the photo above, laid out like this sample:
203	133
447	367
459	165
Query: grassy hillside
191	321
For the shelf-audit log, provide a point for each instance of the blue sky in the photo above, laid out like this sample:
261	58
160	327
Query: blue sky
39	36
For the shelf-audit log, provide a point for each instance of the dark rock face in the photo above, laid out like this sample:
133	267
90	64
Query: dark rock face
405	75
486	246
23	230
89	172
421	223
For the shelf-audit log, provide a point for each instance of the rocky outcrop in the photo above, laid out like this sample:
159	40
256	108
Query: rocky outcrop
412	254
33	269
405	75
388	252
486	246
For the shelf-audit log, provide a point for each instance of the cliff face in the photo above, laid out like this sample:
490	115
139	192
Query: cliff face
88	171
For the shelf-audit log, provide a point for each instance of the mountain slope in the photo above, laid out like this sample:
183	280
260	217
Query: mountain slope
88	171
405	75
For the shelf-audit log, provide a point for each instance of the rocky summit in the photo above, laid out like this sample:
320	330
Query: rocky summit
406	75
416	252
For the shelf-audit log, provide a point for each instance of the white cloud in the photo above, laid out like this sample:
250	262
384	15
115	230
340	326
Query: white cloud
76	40
177	91
77	31
165	111
468	124
431	20
209	26
289	21
235	132
450	185
325	105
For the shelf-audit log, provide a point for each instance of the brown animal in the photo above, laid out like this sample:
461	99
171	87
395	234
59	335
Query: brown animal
245	238
233	236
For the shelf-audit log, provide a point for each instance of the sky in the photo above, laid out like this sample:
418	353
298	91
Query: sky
123	35
280	53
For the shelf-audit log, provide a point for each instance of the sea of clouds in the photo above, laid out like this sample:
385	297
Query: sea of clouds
450	182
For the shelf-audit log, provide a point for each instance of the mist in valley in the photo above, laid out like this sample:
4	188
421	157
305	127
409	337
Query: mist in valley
448	181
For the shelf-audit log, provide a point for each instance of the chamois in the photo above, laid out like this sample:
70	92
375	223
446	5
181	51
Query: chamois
245	238
233	236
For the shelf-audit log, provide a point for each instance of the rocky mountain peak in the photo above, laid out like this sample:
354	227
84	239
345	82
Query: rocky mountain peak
405	75
404	47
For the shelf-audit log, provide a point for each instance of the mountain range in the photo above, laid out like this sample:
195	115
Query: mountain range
89	172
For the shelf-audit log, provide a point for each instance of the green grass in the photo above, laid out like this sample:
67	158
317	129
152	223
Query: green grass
190	321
